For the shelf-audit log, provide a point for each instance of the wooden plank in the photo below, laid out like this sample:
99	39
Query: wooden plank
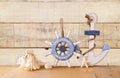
34	35
47	12
6	35
111	35
102	72
12	55
111	31
112	60
58	72
115	72
83	73
27	35
32	0
57	0
5	69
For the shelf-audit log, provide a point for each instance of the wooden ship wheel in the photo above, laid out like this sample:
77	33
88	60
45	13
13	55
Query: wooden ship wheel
63	48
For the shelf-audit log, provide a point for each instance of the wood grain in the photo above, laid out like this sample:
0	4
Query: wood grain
34	35
10	56
52	12
64	72
57	0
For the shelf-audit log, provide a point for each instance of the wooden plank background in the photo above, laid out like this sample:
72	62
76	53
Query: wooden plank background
26	25
52	12
58	0
77	72
12	55
34	35
30	24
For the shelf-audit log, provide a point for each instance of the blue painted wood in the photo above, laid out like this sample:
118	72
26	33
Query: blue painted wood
105	47
76	48
92	32
62	48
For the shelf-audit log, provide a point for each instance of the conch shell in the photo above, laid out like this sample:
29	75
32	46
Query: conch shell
29	61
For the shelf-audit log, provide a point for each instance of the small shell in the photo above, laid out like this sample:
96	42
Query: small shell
48	66
29	61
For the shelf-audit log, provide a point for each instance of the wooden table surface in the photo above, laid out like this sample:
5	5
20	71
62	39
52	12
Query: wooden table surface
61	72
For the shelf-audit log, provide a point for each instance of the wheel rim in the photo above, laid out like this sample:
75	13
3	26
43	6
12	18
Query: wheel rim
62	48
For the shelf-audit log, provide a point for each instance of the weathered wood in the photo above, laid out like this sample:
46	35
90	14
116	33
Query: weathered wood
57	0
93	72
12	54
27	35
34	35
6	35
32	0
102	73
115	72
47	12
108	34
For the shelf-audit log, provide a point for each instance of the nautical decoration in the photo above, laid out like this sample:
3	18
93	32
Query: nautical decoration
62	48
82	58
88	58
29	61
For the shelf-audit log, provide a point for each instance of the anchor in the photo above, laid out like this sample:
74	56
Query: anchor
91	59
63	48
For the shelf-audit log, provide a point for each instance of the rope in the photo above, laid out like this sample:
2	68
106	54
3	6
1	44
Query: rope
92	47
89	23
61	24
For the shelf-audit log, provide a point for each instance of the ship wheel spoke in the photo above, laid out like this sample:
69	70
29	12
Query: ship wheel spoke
57	48
66	52
67	48
60	53
66	45
59	44
63	43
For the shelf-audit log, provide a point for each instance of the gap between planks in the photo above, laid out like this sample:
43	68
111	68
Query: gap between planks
56	23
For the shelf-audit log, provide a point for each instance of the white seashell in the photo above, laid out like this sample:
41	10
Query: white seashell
48	66
28	61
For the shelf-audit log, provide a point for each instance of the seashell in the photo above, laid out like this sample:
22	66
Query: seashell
29	61
48	66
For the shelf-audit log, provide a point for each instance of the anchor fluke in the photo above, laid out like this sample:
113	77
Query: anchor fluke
105	47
